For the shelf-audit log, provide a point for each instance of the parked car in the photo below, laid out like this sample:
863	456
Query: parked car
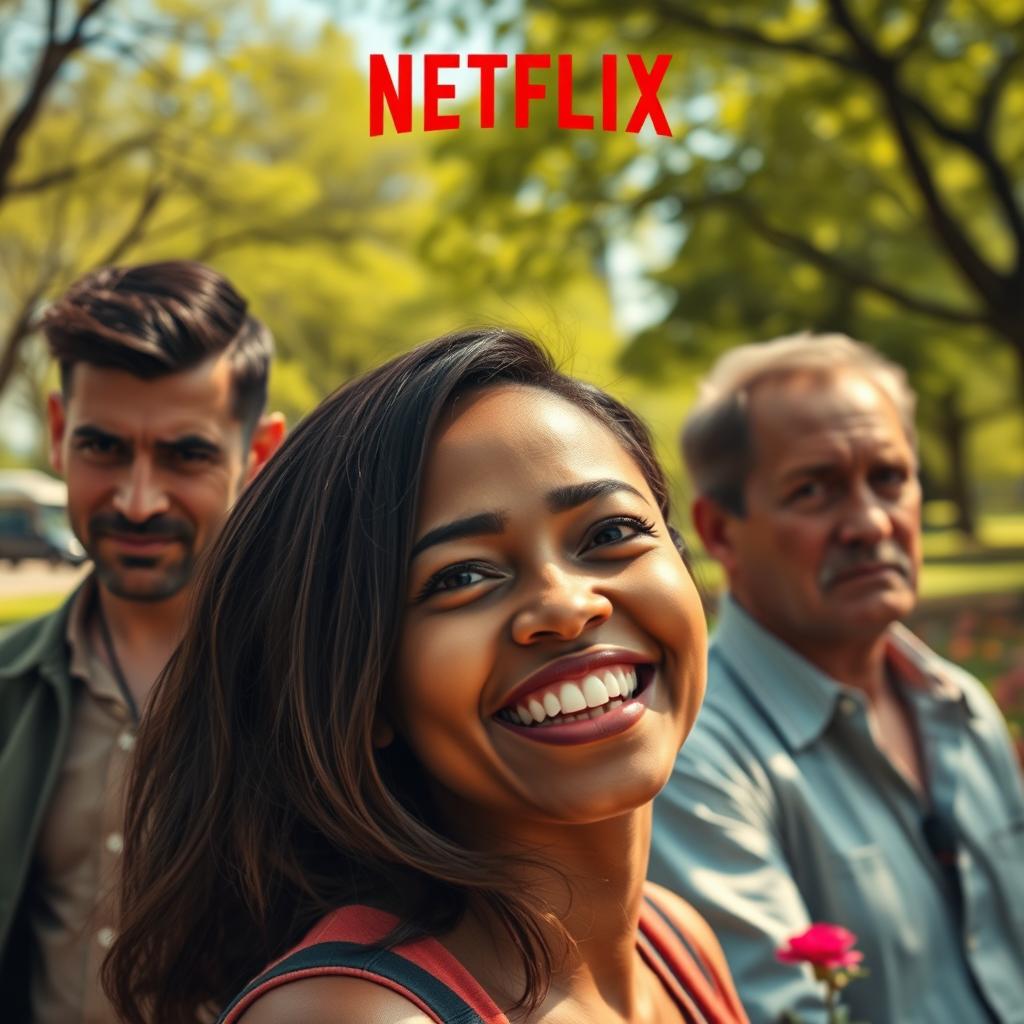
34	519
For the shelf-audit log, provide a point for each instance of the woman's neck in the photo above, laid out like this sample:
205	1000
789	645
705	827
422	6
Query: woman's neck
595	892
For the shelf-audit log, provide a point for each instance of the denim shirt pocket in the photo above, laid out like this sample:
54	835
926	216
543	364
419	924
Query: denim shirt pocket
878	910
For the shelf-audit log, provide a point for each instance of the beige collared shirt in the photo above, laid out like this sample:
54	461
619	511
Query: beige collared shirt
79	847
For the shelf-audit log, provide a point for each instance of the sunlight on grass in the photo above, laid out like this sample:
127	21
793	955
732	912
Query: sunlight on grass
995	530
1003	531
968	578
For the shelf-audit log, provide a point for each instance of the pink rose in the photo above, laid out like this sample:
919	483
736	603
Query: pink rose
822	945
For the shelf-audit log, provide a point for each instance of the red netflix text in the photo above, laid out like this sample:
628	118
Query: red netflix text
396	95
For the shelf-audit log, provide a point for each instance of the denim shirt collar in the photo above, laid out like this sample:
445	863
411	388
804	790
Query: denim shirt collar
801	699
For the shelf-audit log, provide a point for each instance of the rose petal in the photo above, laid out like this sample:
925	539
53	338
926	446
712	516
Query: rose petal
823	945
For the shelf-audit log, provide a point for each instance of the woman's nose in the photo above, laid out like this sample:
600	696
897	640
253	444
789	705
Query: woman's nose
563	607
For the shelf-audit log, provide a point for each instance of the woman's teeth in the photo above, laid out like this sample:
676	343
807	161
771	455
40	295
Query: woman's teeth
590	697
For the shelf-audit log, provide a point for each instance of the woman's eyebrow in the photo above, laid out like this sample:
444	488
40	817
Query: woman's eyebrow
471	526
561	499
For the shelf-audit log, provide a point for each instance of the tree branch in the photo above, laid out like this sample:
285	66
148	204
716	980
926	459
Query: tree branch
51	21
806	47
55	53
883	72
21	327
133	234
286	234
924	23
854	274
982	277
72	171
83	17
994	91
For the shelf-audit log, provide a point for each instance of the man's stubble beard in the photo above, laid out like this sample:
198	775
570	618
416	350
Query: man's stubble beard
171	580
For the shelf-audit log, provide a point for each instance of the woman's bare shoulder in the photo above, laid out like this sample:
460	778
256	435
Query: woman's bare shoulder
333	1000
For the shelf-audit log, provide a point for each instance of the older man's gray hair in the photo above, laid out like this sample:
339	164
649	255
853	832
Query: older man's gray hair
717	441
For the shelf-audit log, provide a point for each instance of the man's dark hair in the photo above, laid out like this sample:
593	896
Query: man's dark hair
161	318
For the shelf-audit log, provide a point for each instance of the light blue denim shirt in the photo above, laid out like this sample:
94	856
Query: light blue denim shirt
782	811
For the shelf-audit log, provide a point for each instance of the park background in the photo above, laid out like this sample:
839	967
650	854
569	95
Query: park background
850	165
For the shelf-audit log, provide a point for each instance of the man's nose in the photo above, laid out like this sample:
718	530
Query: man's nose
866	519
563	607
139	495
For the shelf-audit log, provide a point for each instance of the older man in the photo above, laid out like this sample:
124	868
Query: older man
158	425
840	771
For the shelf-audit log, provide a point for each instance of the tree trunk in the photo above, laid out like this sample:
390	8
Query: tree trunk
954	429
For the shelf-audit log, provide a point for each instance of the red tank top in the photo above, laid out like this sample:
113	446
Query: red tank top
346	942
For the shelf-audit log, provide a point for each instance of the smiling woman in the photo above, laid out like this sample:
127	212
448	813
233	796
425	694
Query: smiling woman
440	661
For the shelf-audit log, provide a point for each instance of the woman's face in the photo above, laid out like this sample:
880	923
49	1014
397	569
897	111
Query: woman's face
543	585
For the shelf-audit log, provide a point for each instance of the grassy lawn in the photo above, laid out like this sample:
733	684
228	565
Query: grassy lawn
968	578
953	567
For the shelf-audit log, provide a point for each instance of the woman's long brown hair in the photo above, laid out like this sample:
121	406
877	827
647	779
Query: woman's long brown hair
258	802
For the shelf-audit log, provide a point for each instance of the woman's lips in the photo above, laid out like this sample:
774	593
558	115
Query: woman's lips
573	697
610	718
573	668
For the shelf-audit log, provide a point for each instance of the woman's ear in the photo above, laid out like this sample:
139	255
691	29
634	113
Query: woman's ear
383	733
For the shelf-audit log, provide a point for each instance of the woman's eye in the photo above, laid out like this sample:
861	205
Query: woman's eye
618	530
456	577
459	578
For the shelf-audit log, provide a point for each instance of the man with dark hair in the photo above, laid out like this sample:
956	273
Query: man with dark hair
157	427
839	771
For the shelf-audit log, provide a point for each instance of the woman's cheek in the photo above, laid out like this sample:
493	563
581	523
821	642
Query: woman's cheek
444	666
669	609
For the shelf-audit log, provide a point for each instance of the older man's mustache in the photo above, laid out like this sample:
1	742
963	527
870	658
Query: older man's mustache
842	562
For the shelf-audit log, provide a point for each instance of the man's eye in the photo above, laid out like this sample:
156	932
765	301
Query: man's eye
100	446
892	476
615	531
807	491
192	455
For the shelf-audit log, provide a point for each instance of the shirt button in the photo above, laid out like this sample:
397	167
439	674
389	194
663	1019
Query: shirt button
115	842
848	705
971	941
126	741
105	937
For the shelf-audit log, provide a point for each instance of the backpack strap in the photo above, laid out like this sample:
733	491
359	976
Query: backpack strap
688	953
383	966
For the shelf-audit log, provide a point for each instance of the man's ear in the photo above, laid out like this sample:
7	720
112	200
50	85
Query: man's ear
716	527
57	420
266	439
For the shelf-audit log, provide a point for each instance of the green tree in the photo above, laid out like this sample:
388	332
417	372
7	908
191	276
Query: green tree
835	164
257	159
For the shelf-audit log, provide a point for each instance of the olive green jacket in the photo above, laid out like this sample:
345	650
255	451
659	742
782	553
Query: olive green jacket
36	697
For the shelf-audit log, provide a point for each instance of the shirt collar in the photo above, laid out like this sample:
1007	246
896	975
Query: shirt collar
926	674
801	699
85	662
